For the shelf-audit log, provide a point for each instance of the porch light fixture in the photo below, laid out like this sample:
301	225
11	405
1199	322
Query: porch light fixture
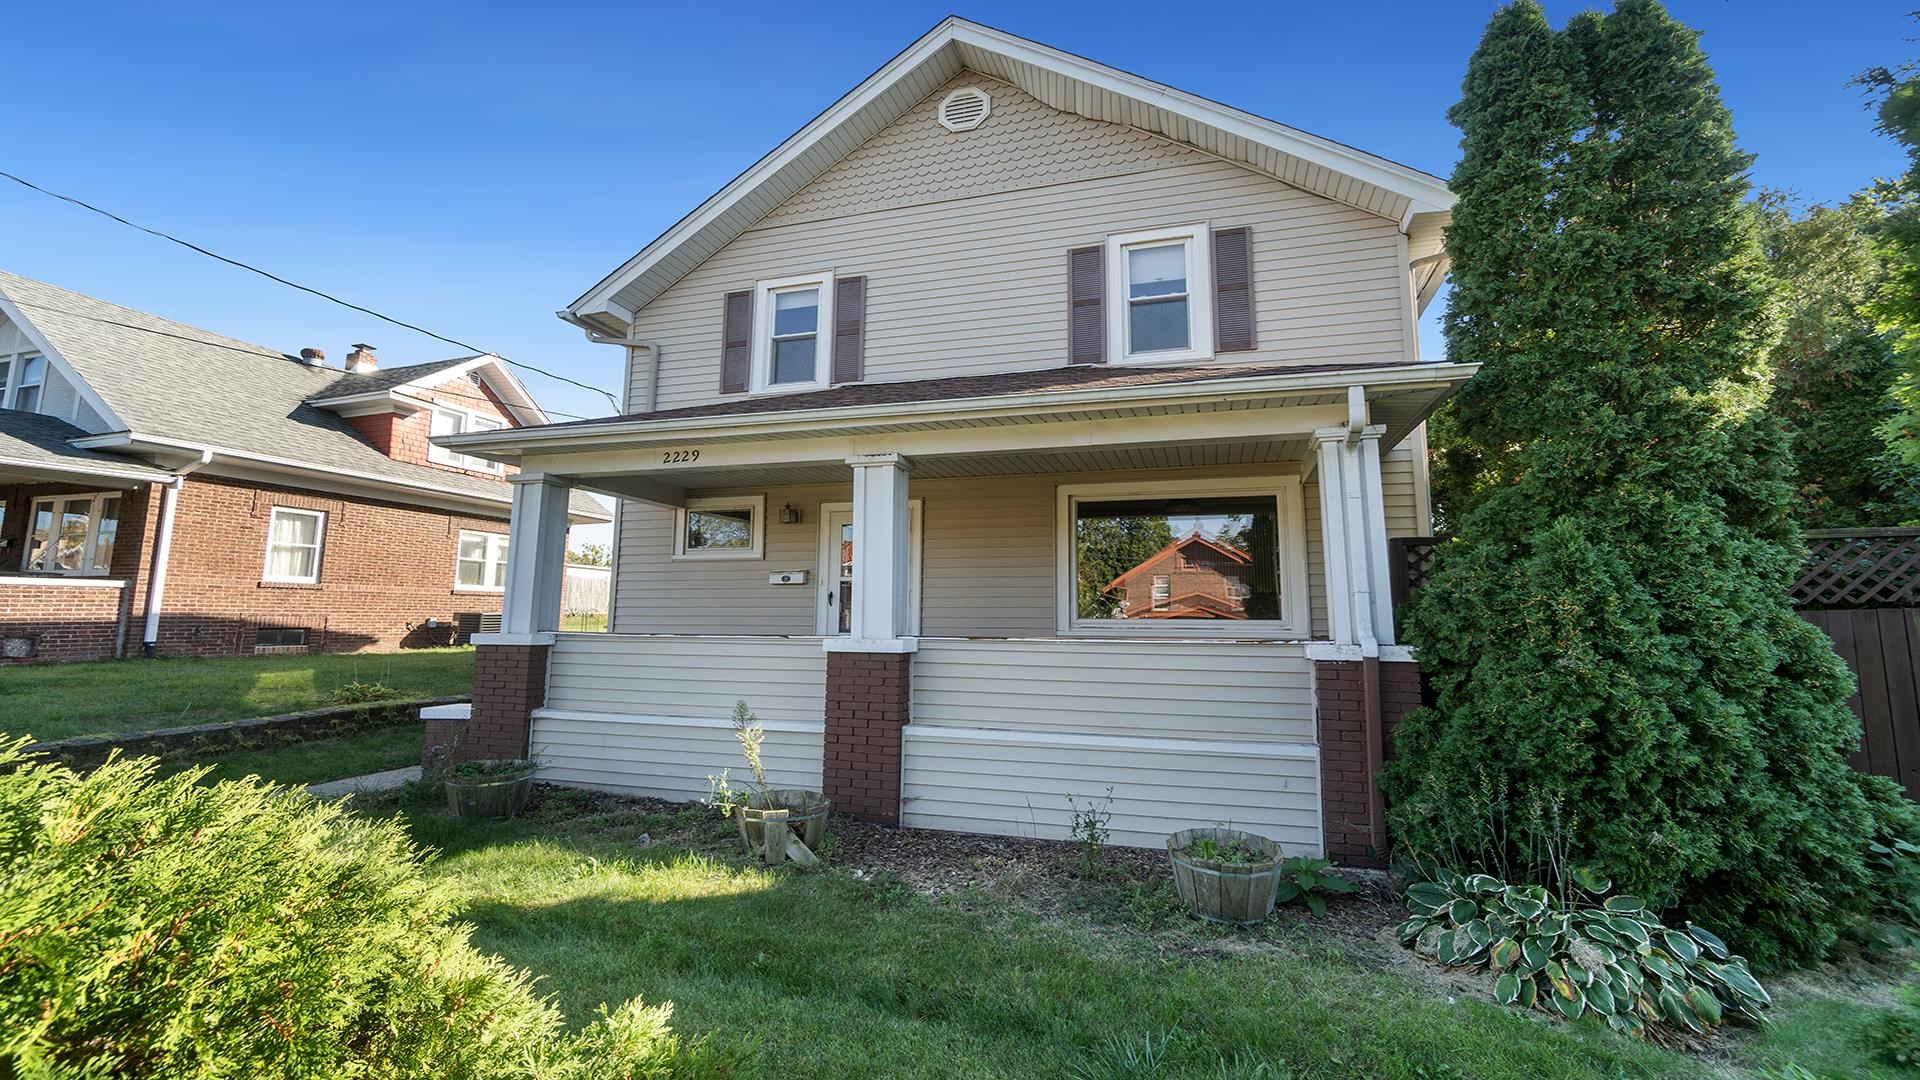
788	515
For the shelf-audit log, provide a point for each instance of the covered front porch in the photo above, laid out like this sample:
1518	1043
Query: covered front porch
976	614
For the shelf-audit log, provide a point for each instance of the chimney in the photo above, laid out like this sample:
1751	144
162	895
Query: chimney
361	360
313	357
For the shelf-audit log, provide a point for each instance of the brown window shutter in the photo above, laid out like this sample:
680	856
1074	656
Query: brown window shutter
849	329
736	342
1233	289
1086	311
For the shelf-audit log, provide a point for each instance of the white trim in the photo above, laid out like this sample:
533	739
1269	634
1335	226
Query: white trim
1334	650
802	727
8	580
757	533
846	643
487	561
319	545
537	637
1296	613
829	569
761	380
462	711
1199	294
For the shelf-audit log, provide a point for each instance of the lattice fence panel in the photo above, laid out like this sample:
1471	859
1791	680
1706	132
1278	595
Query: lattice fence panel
1862	568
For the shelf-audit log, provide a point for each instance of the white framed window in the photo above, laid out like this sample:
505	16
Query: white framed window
448	420
294	541
482	562
721	527
23	379
1119	544
72	534
792	343
1160	295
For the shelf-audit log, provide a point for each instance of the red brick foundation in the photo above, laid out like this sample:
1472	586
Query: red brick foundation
1352	744
509	682
867	695
46	621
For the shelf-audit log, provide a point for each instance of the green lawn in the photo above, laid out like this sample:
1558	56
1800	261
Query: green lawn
824	974
362	752
57	701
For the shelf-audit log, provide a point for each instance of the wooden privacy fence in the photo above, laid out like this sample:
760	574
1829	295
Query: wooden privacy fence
1861	586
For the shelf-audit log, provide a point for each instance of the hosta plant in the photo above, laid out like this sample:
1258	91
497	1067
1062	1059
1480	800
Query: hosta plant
1304	879
1611	957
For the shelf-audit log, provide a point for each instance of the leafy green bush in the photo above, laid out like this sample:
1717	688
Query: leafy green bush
1894	1035
361	693
1304	878
1613	958
157	927
491	768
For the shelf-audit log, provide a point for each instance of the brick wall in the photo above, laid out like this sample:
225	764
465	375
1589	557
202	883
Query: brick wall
47	622
509	682
384	570
867	705
1353	824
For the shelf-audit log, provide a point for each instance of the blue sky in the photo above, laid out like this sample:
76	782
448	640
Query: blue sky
472	167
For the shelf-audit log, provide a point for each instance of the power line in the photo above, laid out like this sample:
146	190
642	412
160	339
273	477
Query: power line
615	402
262	352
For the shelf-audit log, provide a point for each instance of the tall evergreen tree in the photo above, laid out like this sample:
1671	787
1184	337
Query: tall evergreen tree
1620	679
1897	303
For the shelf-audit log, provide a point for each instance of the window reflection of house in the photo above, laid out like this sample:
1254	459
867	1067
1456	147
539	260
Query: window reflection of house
1195	577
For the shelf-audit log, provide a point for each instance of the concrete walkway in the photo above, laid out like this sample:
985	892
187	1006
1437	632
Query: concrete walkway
364	785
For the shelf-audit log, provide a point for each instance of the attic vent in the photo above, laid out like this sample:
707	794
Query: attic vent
473	377
965	109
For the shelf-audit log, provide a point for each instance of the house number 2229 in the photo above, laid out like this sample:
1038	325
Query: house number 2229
677	457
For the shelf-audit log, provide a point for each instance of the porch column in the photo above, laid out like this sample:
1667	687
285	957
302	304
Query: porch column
869	671
1329	446
510	667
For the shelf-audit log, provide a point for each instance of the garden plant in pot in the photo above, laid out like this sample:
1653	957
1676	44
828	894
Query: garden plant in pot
490	788
1225	875
799	816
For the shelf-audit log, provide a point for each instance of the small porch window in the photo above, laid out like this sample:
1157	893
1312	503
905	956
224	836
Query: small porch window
1223	559
482	562
790	351
720	527
294	538
73	534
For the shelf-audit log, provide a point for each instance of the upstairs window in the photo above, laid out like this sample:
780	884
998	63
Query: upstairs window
1160	295
294	538
22	378
451	421
73	534
790	352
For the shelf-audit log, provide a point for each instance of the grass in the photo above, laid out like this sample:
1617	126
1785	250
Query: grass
58	701
591	622
824	974
362	752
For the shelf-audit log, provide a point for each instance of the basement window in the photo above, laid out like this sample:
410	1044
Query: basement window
280	637
723	527
1213	559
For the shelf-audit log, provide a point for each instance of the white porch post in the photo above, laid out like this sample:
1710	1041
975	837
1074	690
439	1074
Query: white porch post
1373	511
880	620
536	561
1330	446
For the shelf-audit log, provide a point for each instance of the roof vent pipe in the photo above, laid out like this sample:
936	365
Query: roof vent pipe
312	357
361	360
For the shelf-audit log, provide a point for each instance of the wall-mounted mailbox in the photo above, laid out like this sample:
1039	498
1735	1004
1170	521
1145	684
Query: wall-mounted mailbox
787	577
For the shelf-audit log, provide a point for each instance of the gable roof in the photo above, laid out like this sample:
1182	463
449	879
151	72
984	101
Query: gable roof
1194	536
39	446
171	383
1417	201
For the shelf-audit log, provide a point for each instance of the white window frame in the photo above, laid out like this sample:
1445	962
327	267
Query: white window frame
1199	293
1295	622
319	546
470	421
496	544
16	370
96	499
761	381
758	535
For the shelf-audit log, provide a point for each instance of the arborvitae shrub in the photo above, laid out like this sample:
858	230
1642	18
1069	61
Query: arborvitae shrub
1620	678
167	928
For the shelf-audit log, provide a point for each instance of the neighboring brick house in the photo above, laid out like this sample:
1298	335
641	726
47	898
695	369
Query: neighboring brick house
1195	577
168	490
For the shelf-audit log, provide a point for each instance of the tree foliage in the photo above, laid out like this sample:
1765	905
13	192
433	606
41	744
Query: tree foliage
1620	679
166	927
1896	304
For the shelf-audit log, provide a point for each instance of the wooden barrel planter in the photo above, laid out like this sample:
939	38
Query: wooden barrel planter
494	795
1237	892
806	816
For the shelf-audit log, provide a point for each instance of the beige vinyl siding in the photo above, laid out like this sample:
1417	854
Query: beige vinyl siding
1316	558
979	285
1398	483
668	758
698	677
987	561
1169	690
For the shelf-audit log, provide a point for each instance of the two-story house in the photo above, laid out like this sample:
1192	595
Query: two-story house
902	399
169	490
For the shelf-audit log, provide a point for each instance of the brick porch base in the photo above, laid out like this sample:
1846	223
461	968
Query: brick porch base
509	682
866	708
1353	816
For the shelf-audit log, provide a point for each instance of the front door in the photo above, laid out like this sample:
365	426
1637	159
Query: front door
837	557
